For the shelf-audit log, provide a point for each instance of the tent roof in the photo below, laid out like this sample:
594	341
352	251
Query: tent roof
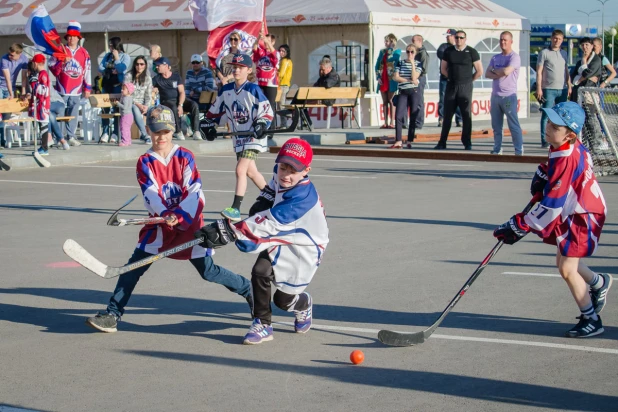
116	15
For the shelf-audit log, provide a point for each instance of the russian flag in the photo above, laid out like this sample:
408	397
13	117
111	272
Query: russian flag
41	31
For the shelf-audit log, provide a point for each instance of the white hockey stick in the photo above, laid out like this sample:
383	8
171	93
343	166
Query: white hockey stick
76	252
35	132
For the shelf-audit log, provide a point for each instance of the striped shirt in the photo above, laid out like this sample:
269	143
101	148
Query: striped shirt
404	69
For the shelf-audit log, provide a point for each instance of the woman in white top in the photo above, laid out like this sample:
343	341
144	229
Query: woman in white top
407	72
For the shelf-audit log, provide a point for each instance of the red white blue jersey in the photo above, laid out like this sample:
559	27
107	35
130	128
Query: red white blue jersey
293	231
241	107
171	186
72	76
266	66
41	98
572	189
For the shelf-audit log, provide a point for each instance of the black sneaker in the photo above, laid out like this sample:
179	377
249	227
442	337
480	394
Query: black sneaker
103	321
599	297
250	302
586	328
440	147
467	147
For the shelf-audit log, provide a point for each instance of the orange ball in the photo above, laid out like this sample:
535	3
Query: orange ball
357	357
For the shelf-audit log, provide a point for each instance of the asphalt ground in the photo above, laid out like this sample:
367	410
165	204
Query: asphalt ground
405	236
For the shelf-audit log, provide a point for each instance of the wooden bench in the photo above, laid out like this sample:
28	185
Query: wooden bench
308	97
105	101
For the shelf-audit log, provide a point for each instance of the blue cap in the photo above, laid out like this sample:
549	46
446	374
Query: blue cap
162	60
241	59
568	114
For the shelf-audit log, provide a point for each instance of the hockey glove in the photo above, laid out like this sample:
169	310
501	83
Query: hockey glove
539	180
263	202
512	231
209	129
259	129
216	234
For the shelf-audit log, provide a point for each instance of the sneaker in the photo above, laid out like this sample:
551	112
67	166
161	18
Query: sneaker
231	213
302	323
499	152
1	155
586	328
113	139
74	142
599	297
457	124
467	147
148	140
440	147
258	333
103	321
439	122
42	151
197	135
104	138
179	136
250	302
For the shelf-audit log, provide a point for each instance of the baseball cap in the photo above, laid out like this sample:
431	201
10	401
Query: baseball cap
162	60
450	32
241	59
297	153
38	58
196	58
160	118
568	114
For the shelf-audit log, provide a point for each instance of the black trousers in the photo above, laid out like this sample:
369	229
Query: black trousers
407	99
190	107
262	276
419	119
457	96
271	94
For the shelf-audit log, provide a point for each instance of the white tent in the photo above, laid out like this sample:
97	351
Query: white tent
311	28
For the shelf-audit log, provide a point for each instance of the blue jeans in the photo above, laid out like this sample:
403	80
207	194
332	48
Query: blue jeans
205	266
506	106
442	90
4	94
552	98
72	109
56	109
138	118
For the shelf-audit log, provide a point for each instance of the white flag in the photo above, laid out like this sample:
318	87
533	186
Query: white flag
207	15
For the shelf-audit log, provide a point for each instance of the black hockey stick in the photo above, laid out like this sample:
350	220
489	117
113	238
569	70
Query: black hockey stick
4	166
76	252
114	221
290	129
392	338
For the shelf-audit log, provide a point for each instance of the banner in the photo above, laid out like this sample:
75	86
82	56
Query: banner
219	39
207	15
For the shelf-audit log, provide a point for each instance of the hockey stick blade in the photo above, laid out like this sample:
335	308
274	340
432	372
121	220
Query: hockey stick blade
4	166
290	129
40	160
393	338
76	252
113	220
144	221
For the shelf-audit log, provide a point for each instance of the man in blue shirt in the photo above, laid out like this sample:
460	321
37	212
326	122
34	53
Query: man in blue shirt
12	64
199	79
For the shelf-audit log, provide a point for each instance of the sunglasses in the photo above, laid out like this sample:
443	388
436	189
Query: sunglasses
459	37
410	52
196	62
140	64
234	39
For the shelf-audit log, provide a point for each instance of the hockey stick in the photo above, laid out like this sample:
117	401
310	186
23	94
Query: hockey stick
114	221
35	132
84	258
392	338
290	129
4	166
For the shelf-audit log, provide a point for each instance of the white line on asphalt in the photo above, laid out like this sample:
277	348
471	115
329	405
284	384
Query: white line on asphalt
472	339
454	165
346	161
94	185
544	275
233	171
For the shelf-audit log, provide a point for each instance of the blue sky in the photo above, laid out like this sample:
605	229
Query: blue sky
563	11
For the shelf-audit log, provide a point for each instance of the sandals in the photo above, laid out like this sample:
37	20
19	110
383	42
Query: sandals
395	146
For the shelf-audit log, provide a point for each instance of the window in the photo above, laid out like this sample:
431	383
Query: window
338	62
433	71
487	48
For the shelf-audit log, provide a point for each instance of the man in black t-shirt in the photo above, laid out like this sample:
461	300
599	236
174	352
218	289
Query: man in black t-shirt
172	94
450	41
461	65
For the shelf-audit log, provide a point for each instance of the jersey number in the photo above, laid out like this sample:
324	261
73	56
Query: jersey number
536	213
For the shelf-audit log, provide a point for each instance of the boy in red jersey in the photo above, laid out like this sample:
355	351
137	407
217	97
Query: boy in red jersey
570	216
172	189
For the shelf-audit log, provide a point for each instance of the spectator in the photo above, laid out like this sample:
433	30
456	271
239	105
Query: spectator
385	66
462	66
407	74
96	85
172	94
113	67
587	71
57	108
421	57
155	54
503	69
13	63
72	77
199	79
142	95
40	101
285	76
126	113
266	61
450	41
608	73
224	71
553	84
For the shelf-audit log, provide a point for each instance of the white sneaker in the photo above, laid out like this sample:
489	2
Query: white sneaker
496	153
64	146
197	135
104	138
114	139
74	142
179	136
